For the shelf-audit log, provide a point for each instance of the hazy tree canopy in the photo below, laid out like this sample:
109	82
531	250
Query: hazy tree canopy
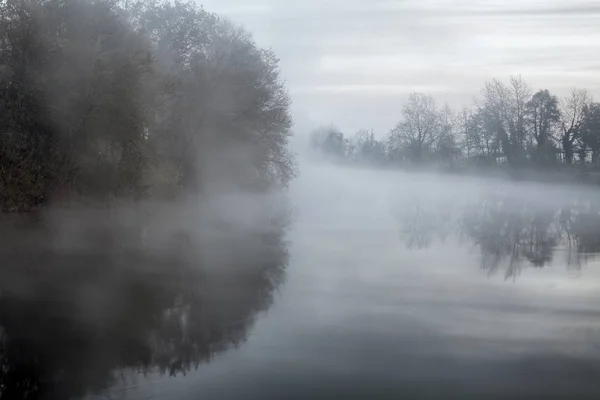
571	119
507	126
366	148
482	129
590	129
106	100
419	129
227	95
543	117
102	101
446	147
73	102
363	147
505	105
329	141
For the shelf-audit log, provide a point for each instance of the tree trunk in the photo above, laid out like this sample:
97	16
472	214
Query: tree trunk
507	147
540	155
568	149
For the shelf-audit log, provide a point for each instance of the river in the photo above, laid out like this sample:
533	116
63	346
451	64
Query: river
404	285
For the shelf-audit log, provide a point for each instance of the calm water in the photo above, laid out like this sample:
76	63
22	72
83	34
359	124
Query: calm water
387	285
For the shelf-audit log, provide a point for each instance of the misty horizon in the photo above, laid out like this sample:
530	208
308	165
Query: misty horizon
355	63
266	199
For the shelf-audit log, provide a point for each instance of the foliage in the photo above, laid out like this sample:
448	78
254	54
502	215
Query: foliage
543	116
506	125
590	130
104	99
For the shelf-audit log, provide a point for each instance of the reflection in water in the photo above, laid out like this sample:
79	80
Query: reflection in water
422	220
509	232
85	296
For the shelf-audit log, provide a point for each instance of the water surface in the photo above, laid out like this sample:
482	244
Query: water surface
422	286
387	285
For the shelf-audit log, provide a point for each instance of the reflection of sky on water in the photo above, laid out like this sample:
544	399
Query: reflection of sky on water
360	314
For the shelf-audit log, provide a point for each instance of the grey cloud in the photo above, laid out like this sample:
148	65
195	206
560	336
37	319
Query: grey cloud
346	59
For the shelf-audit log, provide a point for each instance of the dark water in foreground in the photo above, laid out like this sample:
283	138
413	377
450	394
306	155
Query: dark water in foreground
386	286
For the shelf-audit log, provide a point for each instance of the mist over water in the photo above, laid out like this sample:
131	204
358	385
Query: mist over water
157	242
359	282
423	286
90	296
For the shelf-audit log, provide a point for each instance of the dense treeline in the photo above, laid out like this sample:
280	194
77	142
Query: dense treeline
109	102
109	99
508	124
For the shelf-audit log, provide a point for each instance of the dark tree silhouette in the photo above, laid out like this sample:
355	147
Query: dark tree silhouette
104	102
590	130
329	141
367	149
113	106
507	128
505	106
571	119
419	129
543	117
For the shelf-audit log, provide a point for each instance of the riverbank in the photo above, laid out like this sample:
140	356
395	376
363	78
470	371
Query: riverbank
585	175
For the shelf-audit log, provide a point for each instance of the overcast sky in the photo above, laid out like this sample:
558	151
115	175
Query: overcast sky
353	62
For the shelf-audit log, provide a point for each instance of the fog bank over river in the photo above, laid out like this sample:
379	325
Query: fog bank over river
402	284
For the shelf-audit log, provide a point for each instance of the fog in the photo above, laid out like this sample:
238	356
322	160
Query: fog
357	61
88	294
313	204
363	313
378	282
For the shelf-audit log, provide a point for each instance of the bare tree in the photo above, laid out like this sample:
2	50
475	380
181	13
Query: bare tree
505	105
520	95
447	121
361	144
483	130
419	129
467	141
446	147
477	139
572	111
590	130
543	117
366	148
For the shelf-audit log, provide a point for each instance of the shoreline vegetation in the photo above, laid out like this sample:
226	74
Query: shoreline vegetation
143	149
565	175
143	146
123	101
509	131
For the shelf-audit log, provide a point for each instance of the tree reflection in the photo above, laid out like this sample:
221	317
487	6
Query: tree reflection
422	221
93	295
510	232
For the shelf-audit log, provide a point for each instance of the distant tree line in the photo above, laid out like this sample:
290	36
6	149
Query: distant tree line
116	99
508	124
